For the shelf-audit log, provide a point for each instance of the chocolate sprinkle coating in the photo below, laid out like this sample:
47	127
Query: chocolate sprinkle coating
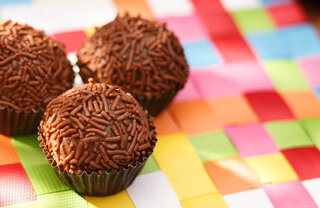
140	56
95	127
33	68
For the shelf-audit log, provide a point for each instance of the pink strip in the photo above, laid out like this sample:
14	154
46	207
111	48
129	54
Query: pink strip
310	67
251	140
249	76
187	28
214	83
188	93
290	194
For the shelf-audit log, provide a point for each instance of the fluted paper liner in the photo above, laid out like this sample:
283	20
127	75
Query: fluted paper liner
107	183
155	104
15	122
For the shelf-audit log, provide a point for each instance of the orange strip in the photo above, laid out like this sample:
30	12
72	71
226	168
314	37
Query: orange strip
303	104
136	7
8	153
233	110
165	124
195	117
232	175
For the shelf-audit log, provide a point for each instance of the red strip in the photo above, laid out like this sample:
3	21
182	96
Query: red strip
223	31
214	16
305	161
15	186
234	48
72	40
287	14
269	106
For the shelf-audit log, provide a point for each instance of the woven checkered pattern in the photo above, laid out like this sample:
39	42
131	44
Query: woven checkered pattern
245	130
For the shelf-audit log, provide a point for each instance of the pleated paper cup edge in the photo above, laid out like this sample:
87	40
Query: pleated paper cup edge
14	122
107	183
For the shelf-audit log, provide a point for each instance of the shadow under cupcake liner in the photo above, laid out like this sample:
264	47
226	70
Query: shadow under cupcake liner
15	122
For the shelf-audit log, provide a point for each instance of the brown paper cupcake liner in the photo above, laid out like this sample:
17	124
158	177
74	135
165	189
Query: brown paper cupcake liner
15	122
104	184
107	183
155	104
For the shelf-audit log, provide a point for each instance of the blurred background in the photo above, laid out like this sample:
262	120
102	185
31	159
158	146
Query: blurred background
312	8
244	131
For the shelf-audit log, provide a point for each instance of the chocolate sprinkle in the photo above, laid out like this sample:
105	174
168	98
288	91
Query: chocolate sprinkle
82	140
33	68
141	56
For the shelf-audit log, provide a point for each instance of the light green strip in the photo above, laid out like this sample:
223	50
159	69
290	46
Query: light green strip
288	134
68	199
212	146
150	166
42	176
285	75
29	151
252	20
44	179
312	127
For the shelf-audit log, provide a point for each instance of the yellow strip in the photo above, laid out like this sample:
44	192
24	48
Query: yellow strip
214	200
118	200
33	204
182	166
90	31
272	168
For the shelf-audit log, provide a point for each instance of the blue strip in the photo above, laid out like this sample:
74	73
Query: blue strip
274	2
201	53
301	40
268	46
8	2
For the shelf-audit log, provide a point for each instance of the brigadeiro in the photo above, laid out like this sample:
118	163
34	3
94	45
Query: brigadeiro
33	70
97	138
141	56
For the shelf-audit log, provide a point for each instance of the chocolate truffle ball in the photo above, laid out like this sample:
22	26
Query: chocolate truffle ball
141	56
33	70
96	127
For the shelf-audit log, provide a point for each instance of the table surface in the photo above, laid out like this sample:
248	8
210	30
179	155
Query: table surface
245	130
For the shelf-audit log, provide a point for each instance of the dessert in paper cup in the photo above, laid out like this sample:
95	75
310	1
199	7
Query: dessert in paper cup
33	70
141	56
97	138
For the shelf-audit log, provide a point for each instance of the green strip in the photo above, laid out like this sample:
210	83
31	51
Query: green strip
212	146
252	20
312	127
288	134
285	75
68	199
150	166
44	180
29	151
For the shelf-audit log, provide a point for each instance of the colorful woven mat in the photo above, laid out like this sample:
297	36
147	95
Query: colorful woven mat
245	130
